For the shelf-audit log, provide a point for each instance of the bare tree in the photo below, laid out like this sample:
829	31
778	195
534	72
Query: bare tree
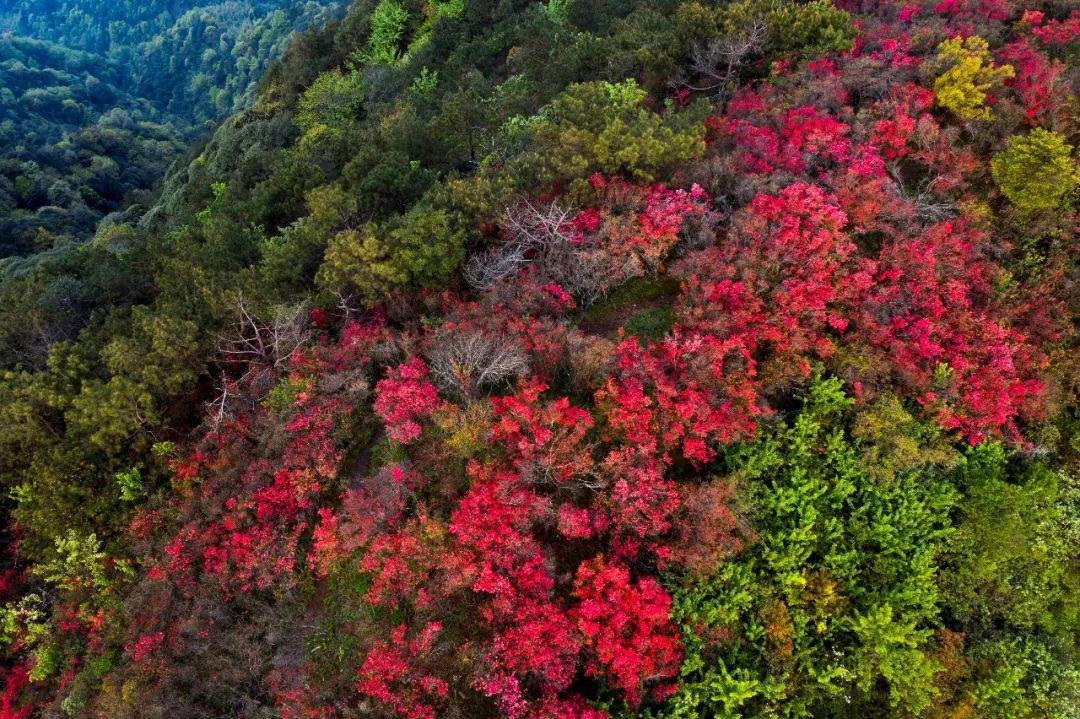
347	304
927	208
467	360
589	273
224	403
531	232
716	63
269	344
262	348
541	236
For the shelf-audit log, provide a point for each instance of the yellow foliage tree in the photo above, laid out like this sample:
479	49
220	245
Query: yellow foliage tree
968	75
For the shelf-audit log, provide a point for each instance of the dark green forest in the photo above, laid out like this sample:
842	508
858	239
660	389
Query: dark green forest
575	359
98	98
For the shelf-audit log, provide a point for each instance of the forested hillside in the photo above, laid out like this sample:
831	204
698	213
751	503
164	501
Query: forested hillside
194	58
571	360
98	98
76	144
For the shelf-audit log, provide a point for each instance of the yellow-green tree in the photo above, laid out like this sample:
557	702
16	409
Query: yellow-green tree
423	249
968	74
1035	171
606	127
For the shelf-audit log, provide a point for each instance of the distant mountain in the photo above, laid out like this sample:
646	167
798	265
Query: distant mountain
97	98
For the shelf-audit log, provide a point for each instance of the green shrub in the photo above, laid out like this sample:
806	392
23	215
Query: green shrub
1035	171
334	99
421	251
387	28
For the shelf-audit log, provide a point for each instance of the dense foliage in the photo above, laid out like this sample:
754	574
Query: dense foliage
98	98
77	145
575	360
195	59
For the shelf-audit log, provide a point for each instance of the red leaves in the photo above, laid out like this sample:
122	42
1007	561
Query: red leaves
1055	32
631	642
776	280
1037	81
891	136
404	397
377	505
801	141
647	232
494	517
392	674
538	641
544	437
671	396
786	285
931	315
532	636
404	565
15	680
641	500
145	645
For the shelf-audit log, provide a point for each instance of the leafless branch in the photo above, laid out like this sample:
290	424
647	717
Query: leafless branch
716	63
468	360
270	344
530	232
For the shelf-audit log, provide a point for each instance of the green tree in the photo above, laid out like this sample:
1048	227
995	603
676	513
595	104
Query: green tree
419	250
967	73
1009	558
803	29
334	99
1035	171
606	127
831	610
388	23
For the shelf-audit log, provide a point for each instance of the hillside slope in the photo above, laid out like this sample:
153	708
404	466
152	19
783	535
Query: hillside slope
194	58
657	358
97	99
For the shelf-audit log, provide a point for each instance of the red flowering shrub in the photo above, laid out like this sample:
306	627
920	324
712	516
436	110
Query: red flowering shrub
932	314
542	437
393	676
1054	32
641	500
1038	81
786	255
404	565
15	679
638	241
403	397
631	643
680	394
145	645
377	505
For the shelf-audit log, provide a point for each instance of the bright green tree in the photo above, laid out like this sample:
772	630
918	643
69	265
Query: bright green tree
388	23
832	608
1035	171
334	99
